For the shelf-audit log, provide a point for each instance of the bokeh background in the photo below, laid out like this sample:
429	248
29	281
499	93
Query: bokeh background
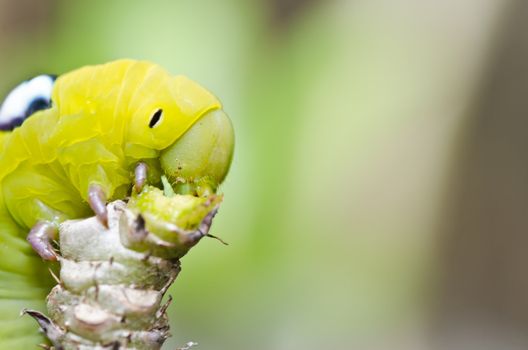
378	197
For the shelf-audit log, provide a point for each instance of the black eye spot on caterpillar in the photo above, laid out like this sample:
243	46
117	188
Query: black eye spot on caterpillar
27	98
156	117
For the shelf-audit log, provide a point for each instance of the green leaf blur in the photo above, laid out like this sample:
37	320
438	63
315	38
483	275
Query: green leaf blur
347	116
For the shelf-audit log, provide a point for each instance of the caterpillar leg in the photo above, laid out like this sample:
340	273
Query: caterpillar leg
140	176
40	237
97	200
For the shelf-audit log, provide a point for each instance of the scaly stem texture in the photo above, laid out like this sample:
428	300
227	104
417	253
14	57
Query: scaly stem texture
112	280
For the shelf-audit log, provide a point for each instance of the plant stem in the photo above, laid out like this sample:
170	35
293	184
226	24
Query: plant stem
112	281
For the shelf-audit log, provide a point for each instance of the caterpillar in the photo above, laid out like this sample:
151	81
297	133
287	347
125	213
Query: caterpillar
70	144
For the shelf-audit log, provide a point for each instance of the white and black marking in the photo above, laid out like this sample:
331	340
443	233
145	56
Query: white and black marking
24	100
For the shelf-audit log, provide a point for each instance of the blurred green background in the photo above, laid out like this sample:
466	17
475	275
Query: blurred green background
377	198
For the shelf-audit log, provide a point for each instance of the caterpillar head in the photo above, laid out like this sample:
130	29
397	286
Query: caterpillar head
199	161
187	126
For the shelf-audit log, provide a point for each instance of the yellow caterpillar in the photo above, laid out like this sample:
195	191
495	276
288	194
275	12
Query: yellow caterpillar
104	131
